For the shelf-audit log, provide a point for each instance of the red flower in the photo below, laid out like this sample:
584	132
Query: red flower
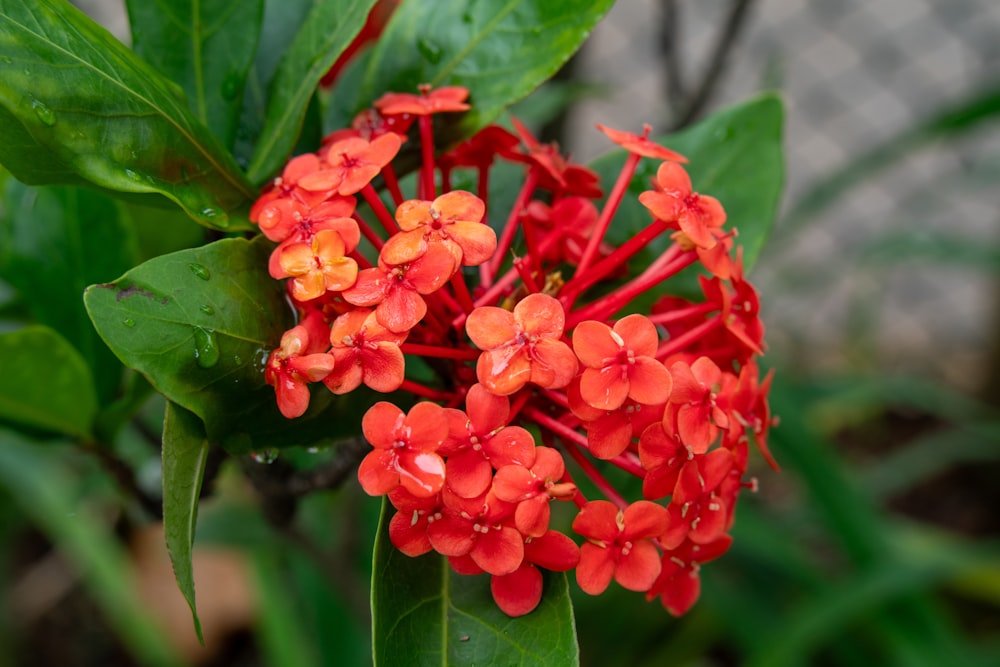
297	362
696	511
481	440
674	201
352	163
453	219
694	394
532	489
618	545
405	449
519	592
408	526
662	456
396	290
640	144
479	528
679	584
609	432
429	101
522	346
619	363
365	352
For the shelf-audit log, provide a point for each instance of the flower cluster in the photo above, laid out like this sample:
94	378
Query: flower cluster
535	356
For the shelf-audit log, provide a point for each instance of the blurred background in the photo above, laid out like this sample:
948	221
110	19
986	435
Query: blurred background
878	543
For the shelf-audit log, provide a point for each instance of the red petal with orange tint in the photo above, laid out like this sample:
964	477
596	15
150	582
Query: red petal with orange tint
595	569
639	568
519	592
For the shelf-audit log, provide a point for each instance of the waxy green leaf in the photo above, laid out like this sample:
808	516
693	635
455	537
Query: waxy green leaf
327	31
425	613
735	156
185	451
45	383
200	324
54	241
77	107
206	46
500	50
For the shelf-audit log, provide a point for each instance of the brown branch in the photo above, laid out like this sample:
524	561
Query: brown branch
724	43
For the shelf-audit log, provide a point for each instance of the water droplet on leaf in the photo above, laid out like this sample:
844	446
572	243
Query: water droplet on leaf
206	348
200	271
44	113
207	309
214	217
129	322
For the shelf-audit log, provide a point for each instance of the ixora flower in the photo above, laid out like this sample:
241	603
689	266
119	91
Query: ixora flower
514	338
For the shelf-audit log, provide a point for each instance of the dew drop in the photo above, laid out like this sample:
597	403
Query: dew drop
237	359
206	348
313	450
214	217
199	270
429	50
134	176
44	113
207	309
265	456
129	322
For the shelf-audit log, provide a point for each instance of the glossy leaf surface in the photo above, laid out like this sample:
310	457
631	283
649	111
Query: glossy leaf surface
206	46
78	107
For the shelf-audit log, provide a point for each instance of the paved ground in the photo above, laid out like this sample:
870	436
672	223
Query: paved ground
854	73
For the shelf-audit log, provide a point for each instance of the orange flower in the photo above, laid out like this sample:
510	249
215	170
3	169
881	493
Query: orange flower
298	361
365	352
405	449
618	545
640	144
318	267
352	163
446	98
453	219
673	201
522	346
619	363
396	289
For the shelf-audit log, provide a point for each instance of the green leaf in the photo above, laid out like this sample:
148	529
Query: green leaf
77	107
54	241
327	31
185	451
199	324
45	383
206	46
423	612
500	50
39	481
282	20
735	156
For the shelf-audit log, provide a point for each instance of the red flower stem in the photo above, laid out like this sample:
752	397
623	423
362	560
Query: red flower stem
510	227
445	180
426	392
526	277
462	291
575	441
578	498
392	184
582	282
682	313
677	344
629	462
362	261
612	303
381	212
368	233
520	400
443	301
427	153
557	397
608	212
483	183
438	352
